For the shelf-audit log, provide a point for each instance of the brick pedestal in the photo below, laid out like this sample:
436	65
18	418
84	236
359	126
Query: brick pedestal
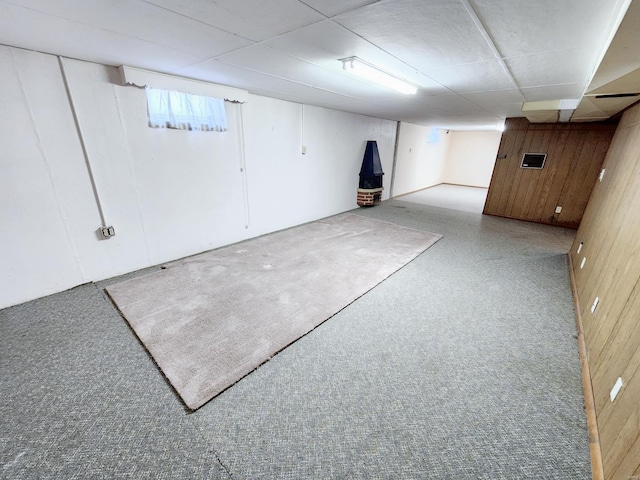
368	197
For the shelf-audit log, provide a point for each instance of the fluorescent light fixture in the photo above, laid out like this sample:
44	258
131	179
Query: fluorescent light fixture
374	74
462	127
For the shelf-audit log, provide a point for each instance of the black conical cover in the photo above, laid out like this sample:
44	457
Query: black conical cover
371	171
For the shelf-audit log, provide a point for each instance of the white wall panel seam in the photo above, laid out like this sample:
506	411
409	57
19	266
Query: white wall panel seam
133	175
47	168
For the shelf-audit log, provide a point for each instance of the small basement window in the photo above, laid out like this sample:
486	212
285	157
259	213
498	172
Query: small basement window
185	111
533	160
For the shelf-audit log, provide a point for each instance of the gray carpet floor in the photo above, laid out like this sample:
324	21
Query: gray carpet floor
462	365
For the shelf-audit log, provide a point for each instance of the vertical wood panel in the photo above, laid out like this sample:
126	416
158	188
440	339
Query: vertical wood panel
610	233
505	168
575	153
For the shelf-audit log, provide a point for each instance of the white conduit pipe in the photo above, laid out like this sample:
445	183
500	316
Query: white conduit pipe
87	162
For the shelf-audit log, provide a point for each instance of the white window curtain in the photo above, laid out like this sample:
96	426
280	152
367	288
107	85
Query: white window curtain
184	111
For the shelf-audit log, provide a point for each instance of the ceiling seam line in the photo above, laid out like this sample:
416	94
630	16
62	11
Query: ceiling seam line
487	38
149	2
288	80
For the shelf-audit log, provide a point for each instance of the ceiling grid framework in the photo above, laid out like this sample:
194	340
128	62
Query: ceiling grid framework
475	61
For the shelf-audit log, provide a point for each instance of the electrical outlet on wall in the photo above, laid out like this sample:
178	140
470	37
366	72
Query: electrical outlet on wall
106	232
558	209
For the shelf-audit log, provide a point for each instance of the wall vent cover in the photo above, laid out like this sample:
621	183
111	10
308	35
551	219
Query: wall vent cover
533	160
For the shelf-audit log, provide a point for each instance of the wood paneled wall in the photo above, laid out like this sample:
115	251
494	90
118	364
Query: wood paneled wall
610	239
575	152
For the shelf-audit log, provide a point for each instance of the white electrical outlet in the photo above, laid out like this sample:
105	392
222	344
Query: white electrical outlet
601	174
107	232
580	247
304	150
616	389
584	260
558	209
595	304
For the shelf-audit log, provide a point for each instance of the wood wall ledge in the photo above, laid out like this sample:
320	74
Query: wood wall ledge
597	469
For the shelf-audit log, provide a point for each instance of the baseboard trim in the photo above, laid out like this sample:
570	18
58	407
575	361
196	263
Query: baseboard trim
597	470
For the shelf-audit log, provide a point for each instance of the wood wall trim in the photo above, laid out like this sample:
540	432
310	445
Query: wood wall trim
597	469
608	269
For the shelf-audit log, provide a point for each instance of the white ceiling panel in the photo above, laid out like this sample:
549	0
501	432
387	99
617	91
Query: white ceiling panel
64	37
272	62
453	104
552	68
289	49
323	43
253	19
143	21
259	83
423	110
507	110
336	7
426	35
553	92
498	97
526	27
473	77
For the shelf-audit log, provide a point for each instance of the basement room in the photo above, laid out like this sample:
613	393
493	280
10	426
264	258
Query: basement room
320	239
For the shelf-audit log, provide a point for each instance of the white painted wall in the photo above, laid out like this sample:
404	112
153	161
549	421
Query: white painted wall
471	158
288	188
167	193
419	163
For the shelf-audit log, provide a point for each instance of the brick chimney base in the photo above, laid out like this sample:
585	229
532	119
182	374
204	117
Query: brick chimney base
368	197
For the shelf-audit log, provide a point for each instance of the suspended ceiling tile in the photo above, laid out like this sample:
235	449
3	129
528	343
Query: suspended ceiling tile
423	34
323	43
272	62
63	37
143	21
552	68
505	110
306	96
470	123
411	109
258	83
472	77
553	92
452	104
253	19
498	97
522	28
336	7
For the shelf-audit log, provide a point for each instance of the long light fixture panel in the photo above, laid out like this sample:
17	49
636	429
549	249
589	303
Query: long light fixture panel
373	74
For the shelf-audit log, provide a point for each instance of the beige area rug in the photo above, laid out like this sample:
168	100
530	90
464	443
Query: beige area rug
210	319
